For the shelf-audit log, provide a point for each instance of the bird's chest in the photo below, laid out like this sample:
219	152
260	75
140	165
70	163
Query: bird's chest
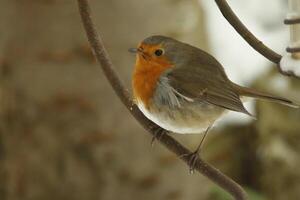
144	82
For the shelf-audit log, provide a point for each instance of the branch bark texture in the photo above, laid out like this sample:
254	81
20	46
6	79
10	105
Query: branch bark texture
170	143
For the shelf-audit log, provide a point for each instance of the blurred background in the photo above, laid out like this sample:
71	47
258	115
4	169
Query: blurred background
65	135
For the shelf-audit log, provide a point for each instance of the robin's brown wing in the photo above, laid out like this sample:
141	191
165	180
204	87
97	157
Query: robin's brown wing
206	82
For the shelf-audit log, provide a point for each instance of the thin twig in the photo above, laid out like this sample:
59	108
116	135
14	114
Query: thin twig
246	34
103	58
250	38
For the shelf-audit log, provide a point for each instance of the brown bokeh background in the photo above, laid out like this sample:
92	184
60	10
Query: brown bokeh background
65	135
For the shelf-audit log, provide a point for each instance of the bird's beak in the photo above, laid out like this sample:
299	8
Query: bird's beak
136	50
139	51
133	50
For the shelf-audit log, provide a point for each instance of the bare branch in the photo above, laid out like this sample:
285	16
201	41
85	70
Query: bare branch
103	58
250	38
246	34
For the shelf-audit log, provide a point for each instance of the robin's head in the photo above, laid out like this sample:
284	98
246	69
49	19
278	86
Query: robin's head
160	50
154	57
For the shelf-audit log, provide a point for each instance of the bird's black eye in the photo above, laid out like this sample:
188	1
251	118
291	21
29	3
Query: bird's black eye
158	52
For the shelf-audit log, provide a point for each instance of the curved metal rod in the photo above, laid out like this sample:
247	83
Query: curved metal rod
103	58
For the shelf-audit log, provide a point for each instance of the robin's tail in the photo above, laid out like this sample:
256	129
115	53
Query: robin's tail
248	92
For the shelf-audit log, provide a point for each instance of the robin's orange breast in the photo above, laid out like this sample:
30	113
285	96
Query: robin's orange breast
145	77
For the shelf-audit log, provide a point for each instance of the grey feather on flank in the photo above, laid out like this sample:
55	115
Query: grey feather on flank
181	95
167	95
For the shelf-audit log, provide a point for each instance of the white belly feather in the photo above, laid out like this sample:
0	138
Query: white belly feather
192	119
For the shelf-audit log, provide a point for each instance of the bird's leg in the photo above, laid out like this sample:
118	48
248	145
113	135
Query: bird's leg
158	132
198	150
194	156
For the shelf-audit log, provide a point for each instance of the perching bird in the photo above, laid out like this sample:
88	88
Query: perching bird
183	89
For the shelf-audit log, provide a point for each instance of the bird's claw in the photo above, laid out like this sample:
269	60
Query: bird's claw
158	132
192	160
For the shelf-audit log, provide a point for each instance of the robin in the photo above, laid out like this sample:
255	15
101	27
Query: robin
183	89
